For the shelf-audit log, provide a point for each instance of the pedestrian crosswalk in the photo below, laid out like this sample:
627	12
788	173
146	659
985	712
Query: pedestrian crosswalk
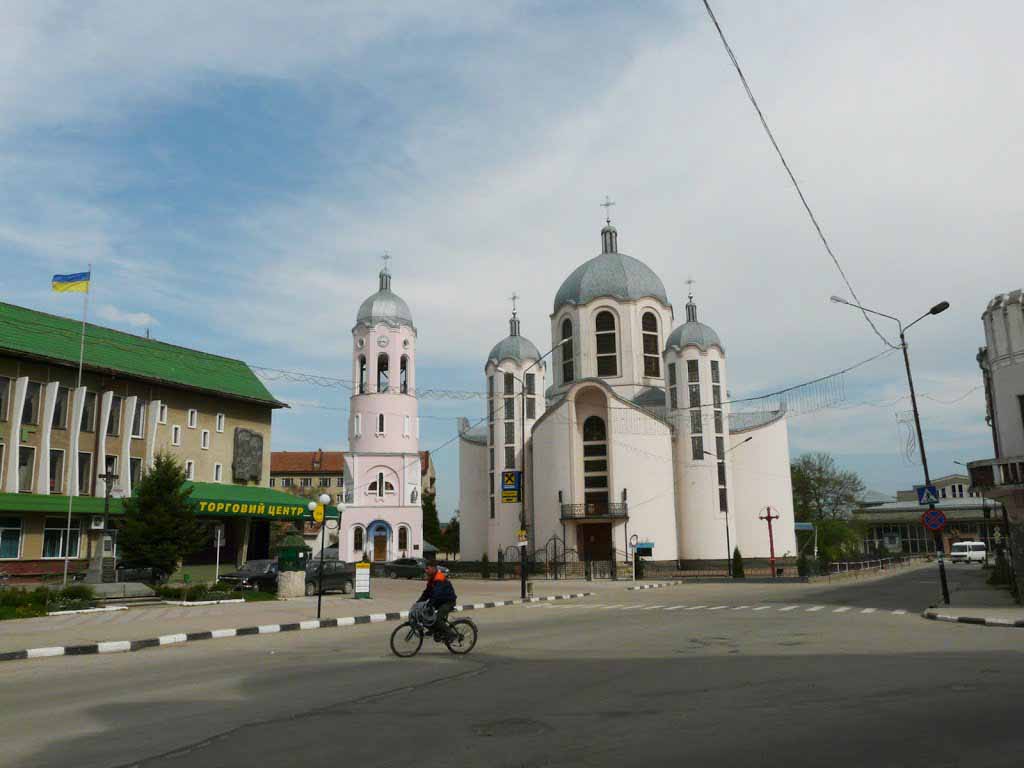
783	608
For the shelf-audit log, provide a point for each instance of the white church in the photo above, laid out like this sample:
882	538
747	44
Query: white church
624	432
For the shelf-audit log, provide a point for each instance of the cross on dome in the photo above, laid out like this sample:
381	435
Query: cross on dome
514	321
607	205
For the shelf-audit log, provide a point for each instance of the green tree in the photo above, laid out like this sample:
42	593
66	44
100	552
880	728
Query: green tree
822	491
159	528
737	564
450	538
431	525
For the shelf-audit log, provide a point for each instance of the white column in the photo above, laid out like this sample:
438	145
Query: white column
124	481
14	433
42	481
153	419
74	438
100	460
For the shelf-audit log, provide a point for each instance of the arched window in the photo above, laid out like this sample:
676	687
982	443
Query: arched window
383	374
362	374
403	375
380	486
357	539
594	430
607	348
568	355
403	538
380	423
595	464
652	353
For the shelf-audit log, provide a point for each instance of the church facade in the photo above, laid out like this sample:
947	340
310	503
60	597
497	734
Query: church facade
624	433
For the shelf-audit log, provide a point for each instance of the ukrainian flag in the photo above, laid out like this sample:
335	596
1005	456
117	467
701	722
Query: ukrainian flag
78	282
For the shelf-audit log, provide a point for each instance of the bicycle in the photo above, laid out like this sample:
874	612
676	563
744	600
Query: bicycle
407	639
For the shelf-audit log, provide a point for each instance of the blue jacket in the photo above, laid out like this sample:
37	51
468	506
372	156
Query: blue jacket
439	590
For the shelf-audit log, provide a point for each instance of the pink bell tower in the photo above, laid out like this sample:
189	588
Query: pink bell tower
383	518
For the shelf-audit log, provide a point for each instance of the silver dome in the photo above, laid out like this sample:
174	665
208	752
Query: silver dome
384	306
694	333
610	274
517	348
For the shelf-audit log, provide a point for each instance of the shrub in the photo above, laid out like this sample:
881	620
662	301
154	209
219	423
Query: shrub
485	567
1001	572
737	564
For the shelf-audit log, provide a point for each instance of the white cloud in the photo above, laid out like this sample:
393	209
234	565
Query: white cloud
112	314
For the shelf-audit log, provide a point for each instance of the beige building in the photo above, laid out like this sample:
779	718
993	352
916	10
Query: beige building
61	440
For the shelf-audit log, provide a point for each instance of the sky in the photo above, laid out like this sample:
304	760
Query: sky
233	171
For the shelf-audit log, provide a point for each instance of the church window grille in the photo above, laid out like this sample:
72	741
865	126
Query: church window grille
362	374
403	375
673	395
381	487
692	371
697	444
694	395
510	408
531	390
357	539
721	473
510	433
715	376
403	538
723	499
716	395
722	488
383	374
568	354
531	384
380	423
509	384
490	386
510	457
718	422
696	426
531	408
490	434
607	345
595	464
652	354
492	505
492	460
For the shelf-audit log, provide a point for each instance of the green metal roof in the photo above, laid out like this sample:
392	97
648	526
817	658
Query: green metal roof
49	337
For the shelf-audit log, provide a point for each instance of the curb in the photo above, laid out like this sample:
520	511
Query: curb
123	646
980	620
692	580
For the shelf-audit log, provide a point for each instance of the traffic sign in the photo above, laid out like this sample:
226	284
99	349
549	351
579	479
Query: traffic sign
933	519
927	494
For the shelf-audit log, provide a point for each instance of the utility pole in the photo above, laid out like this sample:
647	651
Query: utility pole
768	517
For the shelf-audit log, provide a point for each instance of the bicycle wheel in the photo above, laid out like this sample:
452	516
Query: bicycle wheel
406	640
464	639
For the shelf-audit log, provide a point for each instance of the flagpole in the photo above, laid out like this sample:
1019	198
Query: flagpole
81	357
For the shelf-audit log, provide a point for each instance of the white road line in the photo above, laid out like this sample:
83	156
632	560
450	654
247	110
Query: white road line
675	607
653	607
762	608
631	607
788	608
696	607
868	610
814	608
899	612
844	609
609	607
717	607
740	607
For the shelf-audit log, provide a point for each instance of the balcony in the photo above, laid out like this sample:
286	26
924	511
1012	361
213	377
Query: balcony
595	511
997	477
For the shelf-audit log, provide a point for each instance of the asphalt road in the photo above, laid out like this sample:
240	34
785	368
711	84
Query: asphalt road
716	674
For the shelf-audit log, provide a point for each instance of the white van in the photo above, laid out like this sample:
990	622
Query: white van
968	552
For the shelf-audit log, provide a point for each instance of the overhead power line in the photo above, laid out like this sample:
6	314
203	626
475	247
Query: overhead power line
792	178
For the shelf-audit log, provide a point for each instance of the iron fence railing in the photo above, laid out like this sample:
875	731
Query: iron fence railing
596	510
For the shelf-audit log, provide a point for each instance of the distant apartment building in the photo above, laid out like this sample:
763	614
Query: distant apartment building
138	397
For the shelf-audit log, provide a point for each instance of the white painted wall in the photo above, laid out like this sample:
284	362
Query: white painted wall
553	453
473	500
1004	336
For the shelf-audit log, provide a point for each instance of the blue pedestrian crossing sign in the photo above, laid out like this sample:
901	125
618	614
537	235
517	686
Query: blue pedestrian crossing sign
927	494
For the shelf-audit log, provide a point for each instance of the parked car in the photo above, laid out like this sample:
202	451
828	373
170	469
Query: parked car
255	574
968	552
337	575
408	567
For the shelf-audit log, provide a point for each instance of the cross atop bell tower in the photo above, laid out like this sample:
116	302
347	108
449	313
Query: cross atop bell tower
513	323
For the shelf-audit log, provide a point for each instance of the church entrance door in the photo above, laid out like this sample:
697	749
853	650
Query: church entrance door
594	541
380	549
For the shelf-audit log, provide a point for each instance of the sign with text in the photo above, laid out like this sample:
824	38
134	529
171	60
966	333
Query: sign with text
511	486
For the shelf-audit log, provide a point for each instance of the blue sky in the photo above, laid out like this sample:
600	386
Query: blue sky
234	171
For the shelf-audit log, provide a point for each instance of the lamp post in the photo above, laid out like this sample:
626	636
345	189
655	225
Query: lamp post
522	475
314	507
728	543
942	306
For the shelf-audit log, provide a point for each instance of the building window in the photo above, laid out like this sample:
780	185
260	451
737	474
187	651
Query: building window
510	408
607	346
692	371
273	482
380	486
492	506
723	500
531	408
719	423
942	492
595	461
383	372
357	428
56	470
405	426
531	391
510	433
56	539
696	422
510	386
111	468
697	443
139	422
716	395
306	482
403	375
339	482
403	538
490	434
673	397
176	435
10	538
286	482
362	374
492	457
652	352
30	411
568	354
26	468
380	423
5	396
204	439
190	469
84	473
134	470
510	457
357	539
220	422
193	418
218	472
114	418
162	416
714	372
60	411
89	413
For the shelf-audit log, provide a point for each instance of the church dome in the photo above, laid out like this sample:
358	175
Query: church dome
514	347
384	306
611	274
693	332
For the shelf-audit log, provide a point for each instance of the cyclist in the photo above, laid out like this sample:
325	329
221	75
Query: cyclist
440	595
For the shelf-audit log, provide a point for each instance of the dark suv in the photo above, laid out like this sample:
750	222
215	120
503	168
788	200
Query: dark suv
408	567
255	574
337	575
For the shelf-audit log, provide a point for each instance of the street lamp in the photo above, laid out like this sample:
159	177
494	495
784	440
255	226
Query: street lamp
942	306
728	543
522	437
323	500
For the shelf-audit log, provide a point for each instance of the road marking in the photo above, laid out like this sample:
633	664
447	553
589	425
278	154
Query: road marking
844	609
38	653
868	610
631	607
788	608
169	639
675	607
609	607
740	607
762	608
899	612
218	633
718	607
114	646
696	607
653	607
814	608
